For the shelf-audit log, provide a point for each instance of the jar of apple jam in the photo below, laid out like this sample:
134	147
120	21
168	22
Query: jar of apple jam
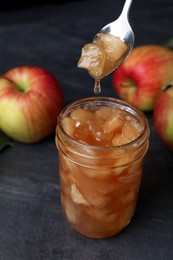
101	143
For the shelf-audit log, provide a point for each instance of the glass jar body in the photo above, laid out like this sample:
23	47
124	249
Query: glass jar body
99	185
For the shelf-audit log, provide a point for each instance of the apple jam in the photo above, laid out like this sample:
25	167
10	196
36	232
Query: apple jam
103	56
102	143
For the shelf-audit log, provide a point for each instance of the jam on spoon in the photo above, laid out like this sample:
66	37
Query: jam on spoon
109	49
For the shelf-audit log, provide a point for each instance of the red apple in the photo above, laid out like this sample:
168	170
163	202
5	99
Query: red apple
163	116
140	79
30	101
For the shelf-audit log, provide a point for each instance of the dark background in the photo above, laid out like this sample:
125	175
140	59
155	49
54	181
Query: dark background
32	225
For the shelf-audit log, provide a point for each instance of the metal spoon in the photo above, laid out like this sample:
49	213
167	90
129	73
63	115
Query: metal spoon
116	49
121	27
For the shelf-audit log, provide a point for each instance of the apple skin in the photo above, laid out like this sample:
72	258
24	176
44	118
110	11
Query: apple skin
30	101
163	117
140	78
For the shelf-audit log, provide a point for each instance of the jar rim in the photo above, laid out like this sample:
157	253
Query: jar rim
97	99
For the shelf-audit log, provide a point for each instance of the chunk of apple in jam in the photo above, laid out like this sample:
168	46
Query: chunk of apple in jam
103	55
114	47
93	59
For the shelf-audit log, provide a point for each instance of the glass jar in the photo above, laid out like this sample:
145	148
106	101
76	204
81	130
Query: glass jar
99	184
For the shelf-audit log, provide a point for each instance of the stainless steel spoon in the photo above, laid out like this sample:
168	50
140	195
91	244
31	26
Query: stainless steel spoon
121	27
121	30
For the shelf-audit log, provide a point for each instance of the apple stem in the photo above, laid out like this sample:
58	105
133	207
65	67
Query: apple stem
164	88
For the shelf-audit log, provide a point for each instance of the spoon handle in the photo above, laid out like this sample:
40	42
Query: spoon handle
126	8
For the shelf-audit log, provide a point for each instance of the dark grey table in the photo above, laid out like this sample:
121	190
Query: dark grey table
32	225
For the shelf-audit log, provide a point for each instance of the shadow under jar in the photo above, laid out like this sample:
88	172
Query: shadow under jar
101	142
